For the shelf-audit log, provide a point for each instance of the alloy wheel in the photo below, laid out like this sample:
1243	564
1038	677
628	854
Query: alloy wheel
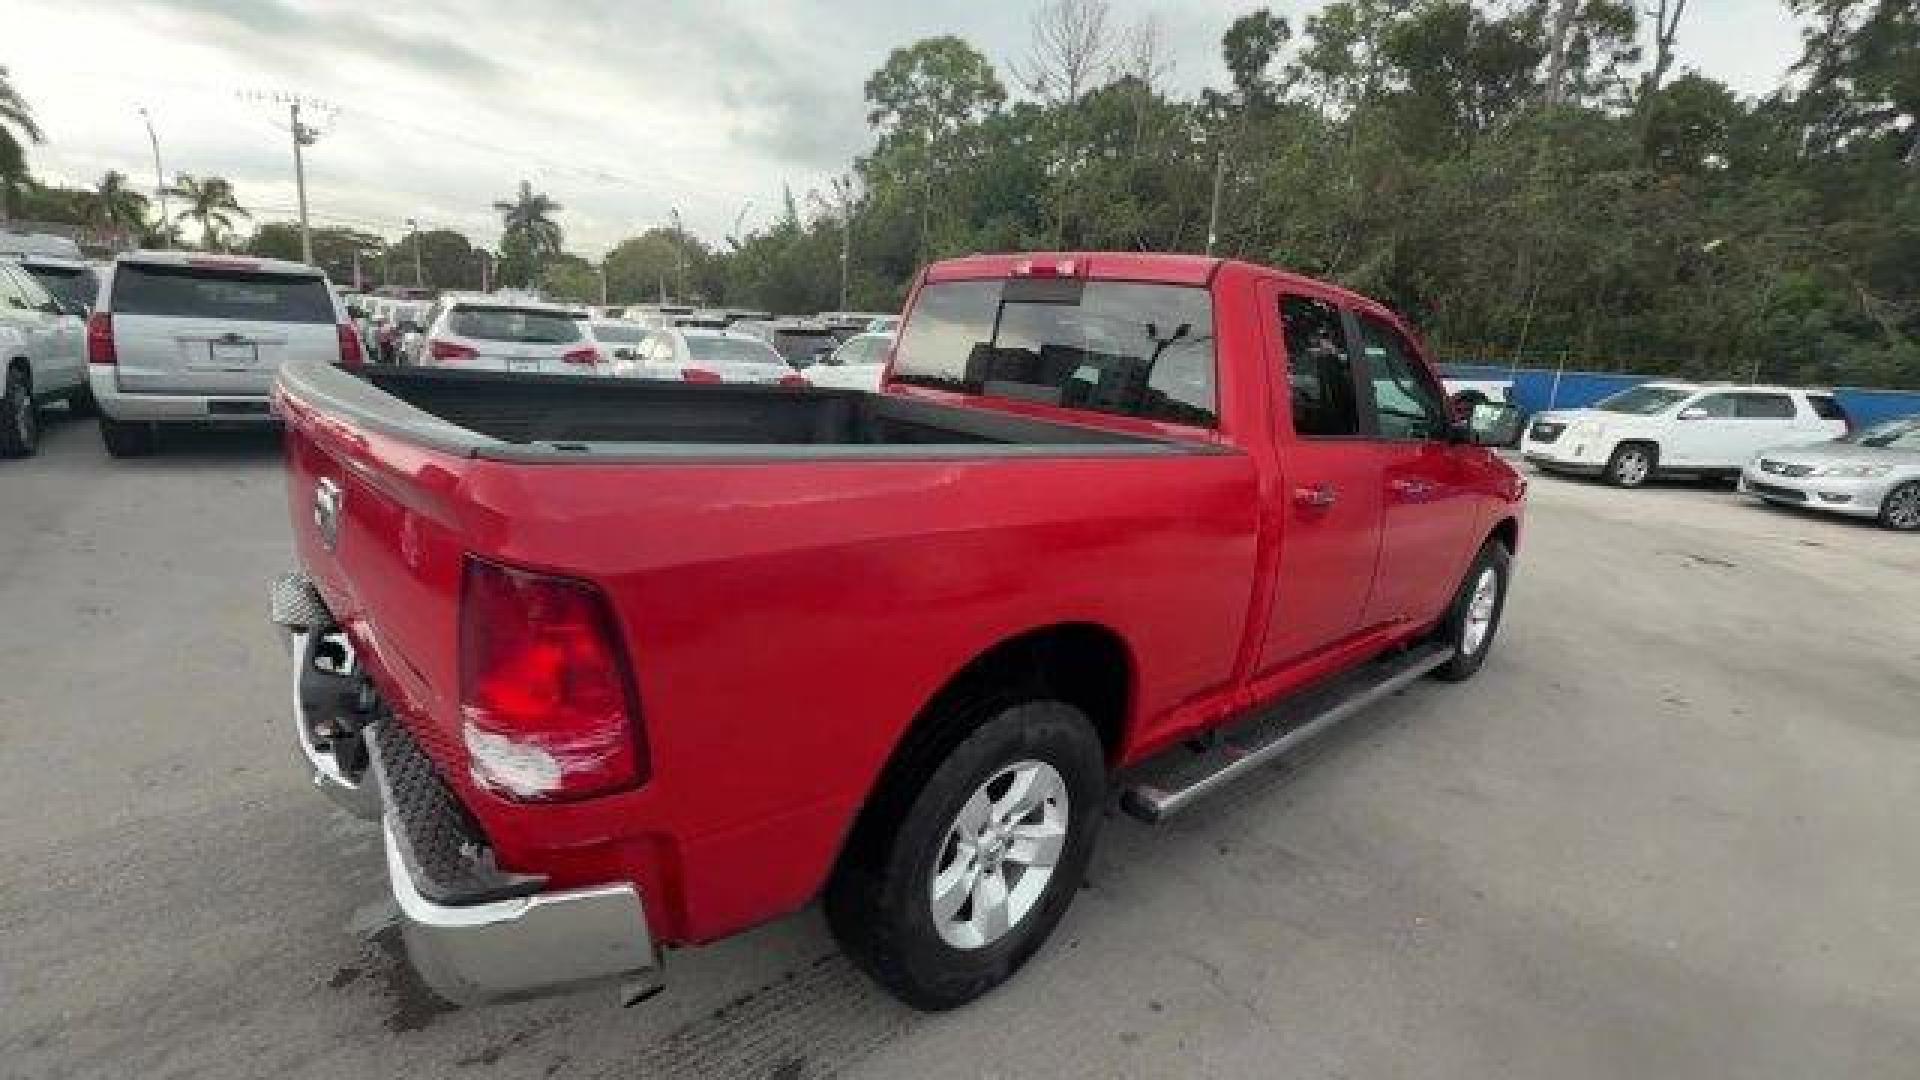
999	854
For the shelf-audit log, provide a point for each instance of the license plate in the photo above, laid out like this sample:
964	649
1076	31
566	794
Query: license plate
233	353
523	363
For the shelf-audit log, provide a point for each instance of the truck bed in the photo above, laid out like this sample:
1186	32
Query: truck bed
520	417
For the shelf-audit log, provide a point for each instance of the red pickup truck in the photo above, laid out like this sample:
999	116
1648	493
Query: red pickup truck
624	665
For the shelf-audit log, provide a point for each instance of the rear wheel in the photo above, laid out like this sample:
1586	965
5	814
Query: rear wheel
19	420
126	439
1901	510
1474	618
1632	464
951	901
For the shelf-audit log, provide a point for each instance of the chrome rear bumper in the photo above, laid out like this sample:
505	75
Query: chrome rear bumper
468	952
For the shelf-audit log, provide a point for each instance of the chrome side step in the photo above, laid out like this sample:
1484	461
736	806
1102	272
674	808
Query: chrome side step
1174	781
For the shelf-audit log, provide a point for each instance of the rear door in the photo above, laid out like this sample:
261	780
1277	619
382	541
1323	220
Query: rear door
216	326
1328	504
1430	508
1770	418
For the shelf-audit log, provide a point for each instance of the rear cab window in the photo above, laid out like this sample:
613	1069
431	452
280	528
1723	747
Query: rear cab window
1125	348
529	326
208	292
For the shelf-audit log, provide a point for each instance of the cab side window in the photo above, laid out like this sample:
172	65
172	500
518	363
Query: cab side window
1319	370
1407	406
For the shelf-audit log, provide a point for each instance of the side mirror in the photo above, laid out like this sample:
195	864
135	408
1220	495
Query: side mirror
1492	423
1693	412
1460	406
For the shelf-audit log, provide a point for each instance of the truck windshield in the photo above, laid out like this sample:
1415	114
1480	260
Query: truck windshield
1129	348
1642	400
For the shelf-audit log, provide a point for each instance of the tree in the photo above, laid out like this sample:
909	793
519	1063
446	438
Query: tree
569	277
448	260
16	123
209	202
918	101
116	206
529	236
334	249
644	267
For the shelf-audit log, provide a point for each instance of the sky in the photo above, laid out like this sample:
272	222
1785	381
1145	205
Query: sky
623	112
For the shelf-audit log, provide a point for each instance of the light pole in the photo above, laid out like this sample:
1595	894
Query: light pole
303	136
413	228
738	219
159	177
485	262
679	254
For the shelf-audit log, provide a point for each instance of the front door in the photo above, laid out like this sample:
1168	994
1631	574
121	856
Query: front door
1708	433
1430	509
1327	505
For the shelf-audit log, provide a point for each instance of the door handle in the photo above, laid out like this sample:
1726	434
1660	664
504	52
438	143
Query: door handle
1317	497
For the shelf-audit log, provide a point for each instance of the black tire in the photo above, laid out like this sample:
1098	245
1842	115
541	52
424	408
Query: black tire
19	417
80	402
124	439
879	901
1494	558
1632	464
1900	510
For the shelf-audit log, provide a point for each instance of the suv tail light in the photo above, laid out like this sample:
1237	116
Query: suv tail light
695	374
100	348
546	706
351	355
447	350
588	356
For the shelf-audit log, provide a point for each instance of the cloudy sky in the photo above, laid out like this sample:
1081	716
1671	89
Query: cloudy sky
619	110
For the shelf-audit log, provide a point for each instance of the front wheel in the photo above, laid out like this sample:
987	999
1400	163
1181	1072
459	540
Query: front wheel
1474	617
19	419
1901	510
952	900
1632	464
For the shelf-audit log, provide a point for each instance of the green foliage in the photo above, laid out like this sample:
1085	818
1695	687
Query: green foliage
566	276
529	236
210	203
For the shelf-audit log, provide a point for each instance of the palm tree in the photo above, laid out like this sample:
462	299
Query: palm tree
116	206
209	202
16	121
527	223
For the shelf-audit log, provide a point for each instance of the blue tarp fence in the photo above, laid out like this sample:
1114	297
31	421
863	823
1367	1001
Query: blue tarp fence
1538	389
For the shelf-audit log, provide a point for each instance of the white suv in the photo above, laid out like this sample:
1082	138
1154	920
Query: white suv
1656	427
42	358
186	339
489	333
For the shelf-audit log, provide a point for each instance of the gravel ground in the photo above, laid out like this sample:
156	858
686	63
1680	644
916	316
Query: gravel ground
1668	831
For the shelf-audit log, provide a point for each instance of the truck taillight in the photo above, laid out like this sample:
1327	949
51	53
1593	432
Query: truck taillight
696	374
447	350
351	355
546	706
100	339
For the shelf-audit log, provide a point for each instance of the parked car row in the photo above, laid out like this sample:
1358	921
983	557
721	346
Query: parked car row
1783	445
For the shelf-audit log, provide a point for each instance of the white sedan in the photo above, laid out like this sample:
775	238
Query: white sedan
856	364
701	355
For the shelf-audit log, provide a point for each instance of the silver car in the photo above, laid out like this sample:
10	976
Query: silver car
184	338
1873	473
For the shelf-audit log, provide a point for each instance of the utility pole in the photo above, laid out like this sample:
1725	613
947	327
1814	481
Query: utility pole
159	178
303	136
356	268
842	206
1213	213
484	263
413	227
679	254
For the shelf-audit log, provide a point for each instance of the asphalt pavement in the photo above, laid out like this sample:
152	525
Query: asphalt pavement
1668	831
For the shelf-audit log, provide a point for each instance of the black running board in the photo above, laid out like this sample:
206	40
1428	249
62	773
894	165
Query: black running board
1174	781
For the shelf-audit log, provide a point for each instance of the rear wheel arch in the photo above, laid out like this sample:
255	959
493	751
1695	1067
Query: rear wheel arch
1087	665
1506	532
